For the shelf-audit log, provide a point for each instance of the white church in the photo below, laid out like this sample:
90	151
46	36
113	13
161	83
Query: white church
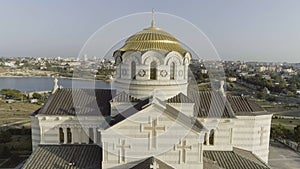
151	119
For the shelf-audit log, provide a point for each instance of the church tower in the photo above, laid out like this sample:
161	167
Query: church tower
152	62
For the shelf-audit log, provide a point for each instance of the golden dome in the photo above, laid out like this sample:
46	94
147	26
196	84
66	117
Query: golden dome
152	39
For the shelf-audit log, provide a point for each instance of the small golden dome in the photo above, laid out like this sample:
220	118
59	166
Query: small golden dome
152	39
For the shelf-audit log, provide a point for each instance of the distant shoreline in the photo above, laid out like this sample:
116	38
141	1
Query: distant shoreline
60	77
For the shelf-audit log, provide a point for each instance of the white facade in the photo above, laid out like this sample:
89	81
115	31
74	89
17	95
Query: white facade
160	129
132	140
65	130
170	71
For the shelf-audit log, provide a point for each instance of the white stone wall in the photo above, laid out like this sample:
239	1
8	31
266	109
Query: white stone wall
35	132
45	129
142	86
247	134
222	133
140	144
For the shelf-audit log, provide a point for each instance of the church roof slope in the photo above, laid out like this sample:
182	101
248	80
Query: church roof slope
183	119
78	102
124	97
152	161
214	104
65	156
129	112
241	104
211	104
171	112
179	98
235	159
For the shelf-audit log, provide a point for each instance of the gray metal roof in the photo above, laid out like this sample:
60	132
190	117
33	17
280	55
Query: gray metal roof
65	156
211	104
96	101
124	97
214	104
78	102
236	159
179	98
149	161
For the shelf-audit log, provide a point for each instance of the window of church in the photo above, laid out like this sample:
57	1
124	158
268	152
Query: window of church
205	136
69	135
212	137
91	135
172	71
120	70
153	70
98	137
61	135
133	70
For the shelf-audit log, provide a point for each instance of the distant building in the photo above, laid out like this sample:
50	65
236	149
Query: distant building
34	100
232	79
10	101
266	90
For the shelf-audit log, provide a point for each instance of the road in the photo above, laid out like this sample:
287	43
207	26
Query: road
281	157
15	123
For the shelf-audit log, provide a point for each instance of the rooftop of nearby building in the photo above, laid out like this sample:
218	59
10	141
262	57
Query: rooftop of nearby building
65	156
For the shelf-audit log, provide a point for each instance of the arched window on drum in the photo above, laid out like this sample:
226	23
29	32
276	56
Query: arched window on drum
153	70
212	137
133	70
172	71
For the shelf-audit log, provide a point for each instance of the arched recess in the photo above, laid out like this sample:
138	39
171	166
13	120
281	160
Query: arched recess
185	67
133	70
153	70
212	137
173	57
172	70
129	57
150	56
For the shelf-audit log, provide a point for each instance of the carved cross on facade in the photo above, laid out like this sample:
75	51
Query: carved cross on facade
122	146
154	165
182	149
262	132
153	128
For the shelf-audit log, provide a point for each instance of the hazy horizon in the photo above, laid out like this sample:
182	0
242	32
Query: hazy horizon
264	31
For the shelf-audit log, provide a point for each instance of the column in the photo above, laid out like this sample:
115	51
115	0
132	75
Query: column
207	139
95	135
86	130
65	135
79	135
73	135
42	135
200	152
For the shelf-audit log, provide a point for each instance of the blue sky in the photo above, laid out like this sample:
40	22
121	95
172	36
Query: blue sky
256	30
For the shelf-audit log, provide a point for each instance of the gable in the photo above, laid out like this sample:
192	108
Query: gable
153	111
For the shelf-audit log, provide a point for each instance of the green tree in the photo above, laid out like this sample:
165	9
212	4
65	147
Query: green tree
297	134
12	93
37	96
261	95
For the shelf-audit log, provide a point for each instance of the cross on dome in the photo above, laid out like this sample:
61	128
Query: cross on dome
153	22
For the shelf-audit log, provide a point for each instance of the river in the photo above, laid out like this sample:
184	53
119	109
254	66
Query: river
30	84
